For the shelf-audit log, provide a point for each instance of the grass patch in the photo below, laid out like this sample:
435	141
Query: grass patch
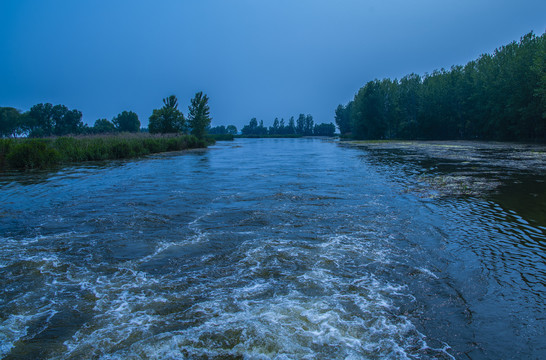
48	152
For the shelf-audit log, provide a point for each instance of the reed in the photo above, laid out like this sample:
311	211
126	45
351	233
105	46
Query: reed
49	152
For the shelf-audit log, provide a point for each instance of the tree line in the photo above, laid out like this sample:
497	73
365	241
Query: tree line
499	96
44	120
304	125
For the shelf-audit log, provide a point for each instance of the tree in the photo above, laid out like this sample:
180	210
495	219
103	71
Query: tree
47	120
300	124
103	126
168	119
41	122
67	121
217	130
127	121
308	127
251	128
273	130
291	128
199	115
231	129
324	129
10	122
343	118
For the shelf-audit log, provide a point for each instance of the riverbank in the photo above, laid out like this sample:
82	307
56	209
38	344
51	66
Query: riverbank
42	153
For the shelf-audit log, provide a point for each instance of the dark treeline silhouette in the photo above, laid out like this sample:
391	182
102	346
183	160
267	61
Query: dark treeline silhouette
223	130
44	120
499	96
302	126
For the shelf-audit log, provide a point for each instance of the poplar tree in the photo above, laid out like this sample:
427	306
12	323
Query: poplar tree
199	115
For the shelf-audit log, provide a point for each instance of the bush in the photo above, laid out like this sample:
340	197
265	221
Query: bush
32	154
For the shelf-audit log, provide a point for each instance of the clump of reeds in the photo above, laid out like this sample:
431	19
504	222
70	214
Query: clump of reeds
48	152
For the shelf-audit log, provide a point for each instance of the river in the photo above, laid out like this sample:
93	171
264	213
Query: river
269	249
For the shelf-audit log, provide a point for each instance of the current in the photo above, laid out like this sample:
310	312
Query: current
265	249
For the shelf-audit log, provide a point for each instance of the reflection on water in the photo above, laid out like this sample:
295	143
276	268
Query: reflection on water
268	248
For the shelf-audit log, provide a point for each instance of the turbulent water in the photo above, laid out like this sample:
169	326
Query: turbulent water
267	249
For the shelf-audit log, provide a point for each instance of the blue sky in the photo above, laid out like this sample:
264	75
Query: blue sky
254	58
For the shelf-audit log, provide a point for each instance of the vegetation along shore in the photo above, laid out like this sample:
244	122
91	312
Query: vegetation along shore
500	96
29	153
48	135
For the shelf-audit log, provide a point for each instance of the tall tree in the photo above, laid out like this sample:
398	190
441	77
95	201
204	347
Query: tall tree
41	121
231	129
67	121
291	128
309	123
103	126
10	122
300	124
199	115
47	120
168	119
127	121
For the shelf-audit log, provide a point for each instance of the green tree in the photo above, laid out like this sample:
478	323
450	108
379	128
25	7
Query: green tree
217	130
47	120
324	129
10	122
308	127
103	126
199	115
127	121
67	121
300	125
168	119
251	128
231	129
273	130
41	121
343	118
291	128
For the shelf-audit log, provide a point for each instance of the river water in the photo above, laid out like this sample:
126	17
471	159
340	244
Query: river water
268	249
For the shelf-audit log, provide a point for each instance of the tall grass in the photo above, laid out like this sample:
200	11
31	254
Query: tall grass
48	152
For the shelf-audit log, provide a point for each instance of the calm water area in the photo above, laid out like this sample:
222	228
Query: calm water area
273	249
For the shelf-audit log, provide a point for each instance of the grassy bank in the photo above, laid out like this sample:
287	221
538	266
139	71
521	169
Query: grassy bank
48	152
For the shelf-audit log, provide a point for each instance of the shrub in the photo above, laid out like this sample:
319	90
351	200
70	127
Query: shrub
32	154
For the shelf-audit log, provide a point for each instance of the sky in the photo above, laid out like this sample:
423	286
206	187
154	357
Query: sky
253	58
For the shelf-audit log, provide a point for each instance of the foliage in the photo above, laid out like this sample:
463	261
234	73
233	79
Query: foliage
253	128
127	121
232	129
103	126
305	127
10	122
199	115
42	153
324	130
217	130
499	96
168	119
47	120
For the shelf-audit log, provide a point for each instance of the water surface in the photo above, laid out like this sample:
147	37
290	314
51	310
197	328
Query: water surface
269	249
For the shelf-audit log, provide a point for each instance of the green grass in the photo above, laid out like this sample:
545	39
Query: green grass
49	152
